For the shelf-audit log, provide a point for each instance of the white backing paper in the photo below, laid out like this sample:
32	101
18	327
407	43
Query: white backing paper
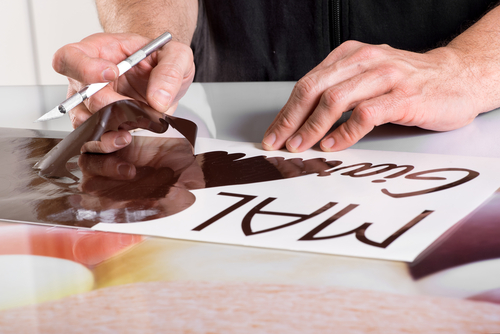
359	218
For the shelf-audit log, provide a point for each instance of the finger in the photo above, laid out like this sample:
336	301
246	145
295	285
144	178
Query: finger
110	142
171	77
306	95
338	99
94	59
344	63
88	62
109	166
105	96
73	62
303	100
79	115
367	115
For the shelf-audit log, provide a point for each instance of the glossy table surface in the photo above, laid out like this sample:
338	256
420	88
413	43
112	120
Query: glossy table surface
55	279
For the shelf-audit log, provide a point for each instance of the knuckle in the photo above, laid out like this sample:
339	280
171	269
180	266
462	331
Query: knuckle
350	44
57	63
176	55
179	47
77	117
305	88
92	107
287	122
315	126
95	103
187	53
366	113
352	131
387	70
402	102
348	134
74	120
172	73
85	72
367	51
60	58
403	92
333	97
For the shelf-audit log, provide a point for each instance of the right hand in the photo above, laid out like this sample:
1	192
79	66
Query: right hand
160	80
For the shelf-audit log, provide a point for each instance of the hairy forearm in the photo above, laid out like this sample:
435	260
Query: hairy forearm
479	50
150	18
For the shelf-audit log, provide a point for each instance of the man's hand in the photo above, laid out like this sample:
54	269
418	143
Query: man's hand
381	84
160	80
443	89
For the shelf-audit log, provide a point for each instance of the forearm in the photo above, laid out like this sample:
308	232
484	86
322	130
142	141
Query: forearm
479	50
150	18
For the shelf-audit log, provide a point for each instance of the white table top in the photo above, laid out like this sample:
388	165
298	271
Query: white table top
243	111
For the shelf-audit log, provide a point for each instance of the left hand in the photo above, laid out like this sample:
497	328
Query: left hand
159	80
381	84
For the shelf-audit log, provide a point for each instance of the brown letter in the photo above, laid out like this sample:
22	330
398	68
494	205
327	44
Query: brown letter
366	166
245	200
247	220
416	176
360	231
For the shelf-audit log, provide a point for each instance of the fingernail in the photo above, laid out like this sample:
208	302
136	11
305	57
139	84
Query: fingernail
270	139
295	142
124	170
108	75
328	143
121	141
162	97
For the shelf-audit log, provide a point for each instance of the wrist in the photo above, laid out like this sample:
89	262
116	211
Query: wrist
475	73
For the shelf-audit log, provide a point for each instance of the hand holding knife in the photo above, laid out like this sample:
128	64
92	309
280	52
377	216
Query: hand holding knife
90	90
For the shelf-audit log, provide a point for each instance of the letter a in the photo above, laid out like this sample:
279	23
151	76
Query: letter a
247	220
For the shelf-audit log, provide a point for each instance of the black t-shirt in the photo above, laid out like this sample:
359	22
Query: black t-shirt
278	40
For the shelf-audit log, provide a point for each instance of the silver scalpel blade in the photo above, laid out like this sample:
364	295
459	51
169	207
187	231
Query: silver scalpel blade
53	114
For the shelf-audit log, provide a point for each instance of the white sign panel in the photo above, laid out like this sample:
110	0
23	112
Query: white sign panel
385	205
